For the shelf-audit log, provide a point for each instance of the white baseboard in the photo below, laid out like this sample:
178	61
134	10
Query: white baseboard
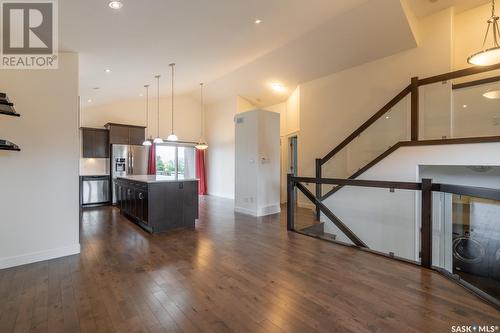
39	256
269	210
264	211
245	211
219	195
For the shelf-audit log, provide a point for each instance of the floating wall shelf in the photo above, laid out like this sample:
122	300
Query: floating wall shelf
7	107
7	145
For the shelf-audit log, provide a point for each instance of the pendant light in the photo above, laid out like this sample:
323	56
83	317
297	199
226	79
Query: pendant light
147	142
158	139
489	56
172	136
201	143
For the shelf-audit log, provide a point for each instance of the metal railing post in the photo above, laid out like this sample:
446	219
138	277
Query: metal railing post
426	229
319	193
290	204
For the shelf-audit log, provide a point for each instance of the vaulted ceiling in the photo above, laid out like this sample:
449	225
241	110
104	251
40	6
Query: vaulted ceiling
218	42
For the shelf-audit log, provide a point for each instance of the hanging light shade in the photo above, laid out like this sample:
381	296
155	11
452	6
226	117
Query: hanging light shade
492	94
172	136
201	143
488	56
147	142
158	139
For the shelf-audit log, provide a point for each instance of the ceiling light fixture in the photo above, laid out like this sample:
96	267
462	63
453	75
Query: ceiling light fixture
464	106
115	4
89	100
172	136
158	139
107	70
278	87
492	94
147	142
489	56
201	143
258	21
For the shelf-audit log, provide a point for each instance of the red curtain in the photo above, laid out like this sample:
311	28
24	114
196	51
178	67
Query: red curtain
152	160
200	172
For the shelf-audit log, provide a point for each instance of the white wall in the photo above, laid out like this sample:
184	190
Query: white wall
257	163
39	199
220	154
334	106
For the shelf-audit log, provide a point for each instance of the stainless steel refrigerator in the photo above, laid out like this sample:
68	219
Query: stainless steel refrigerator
128	160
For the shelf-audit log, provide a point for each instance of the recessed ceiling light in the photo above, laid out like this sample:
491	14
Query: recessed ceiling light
387	117
107	70
89	100
258	21
116	4
278	87
492	94
464	106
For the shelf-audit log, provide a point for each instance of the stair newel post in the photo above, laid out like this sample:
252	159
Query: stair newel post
290	218
319	193
414	109
426	228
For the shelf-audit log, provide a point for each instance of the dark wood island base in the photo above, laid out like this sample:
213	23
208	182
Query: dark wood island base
157	203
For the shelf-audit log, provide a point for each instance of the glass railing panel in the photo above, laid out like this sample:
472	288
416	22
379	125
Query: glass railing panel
385	132
476	110
475	246
379	137
385	220
435	105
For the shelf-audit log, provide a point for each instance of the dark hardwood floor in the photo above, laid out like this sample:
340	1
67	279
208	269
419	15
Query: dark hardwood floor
234	273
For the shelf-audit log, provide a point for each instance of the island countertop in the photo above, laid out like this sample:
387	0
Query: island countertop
151	179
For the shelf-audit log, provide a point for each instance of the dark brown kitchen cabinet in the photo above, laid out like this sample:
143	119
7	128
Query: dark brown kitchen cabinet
95	143
125	134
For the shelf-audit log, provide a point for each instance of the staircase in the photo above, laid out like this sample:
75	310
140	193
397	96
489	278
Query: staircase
412	90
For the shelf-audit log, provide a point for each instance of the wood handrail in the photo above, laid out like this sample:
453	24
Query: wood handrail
359	183
420	82
456	74
390	150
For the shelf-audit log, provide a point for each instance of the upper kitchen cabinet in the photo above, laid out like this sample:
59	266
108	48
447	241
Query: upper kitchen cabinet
126	134
95	143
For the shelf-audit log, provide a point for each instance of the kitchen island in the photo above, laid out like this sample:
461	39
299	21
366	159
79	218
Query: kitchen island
158	203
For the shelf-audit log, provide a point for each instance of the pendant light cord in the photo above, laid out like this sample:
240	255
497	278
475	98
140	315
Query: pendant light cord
493	20
147	110
172	66
202	113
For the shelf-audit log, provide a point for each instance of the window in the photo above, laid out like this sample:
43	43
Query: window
176	161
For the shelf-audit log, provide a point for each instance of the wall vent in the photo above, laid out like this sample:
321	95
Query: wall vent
496	120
